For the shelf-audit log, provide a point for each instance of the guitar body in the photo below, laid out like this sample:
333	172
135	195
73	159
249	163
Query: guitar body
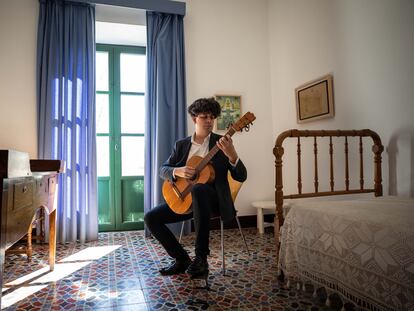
178	194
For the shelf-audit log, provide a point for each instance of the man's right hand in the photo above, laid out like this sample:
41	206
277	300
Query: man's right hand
184	172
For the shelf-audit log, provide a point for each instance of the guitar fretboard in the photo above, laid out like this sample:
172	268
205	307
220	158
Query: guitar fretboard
212	153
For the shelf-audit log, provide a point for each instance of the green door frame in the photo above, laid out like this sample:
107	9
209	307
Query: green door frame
115	182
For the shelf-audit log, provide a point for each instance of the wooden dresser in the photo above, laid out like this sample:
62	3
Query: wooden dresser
25	186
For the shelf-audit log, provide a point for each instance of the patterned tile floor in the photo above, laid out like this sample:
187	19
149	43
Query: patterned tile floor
120	272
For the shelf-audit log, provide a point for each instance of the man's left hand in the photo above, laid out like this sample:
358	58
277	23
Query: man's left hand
225	144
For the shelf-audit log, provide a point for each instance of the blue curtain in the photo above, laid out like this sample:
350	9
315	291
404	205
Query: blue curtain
165	98
66	111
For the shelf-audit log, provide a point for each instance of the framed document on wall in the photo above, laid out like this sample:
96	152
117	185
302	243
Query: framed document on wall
314	100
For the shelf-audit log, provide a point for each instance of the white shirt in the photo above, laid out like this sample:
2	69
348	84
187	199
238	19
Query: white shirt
201	150
197	149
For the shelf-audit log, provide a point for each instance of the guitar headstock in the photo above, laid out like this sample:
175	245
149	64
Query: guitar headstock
244	122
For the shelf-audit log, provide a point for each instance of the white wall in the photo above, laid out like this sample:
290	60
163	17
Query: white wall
368	46
227	53
18	35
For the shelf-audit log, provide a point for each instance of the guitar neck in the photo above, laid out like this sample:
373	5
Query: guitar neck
212	152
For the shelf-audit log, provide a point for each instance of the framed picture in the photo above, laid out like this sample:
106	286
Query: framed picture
230	111
314	100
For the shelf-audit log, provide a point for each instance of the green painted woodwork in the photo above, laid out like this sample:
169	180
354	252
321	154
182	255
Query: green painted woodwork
120	140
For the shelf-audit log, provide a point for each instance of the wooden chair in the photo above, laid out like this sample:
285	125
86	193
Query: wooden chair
234	190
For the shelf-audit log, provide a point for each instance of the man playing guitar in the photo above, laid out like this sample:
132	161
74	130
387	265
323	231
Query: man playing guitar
207	198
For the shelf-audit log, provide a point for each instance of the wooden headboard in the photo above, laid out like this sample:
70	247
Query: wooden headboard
278	151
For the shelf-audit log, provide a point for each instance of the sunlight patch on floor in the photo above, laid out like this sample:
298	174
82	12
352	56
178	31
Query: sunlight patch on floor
37	280
19	294
91	253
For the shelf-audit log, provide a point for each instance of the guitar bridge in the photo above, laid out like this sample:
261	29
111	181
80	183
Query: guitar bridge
177	192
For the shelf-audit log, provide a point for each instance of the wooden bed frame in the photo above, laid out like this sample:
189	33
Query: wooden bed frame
278	151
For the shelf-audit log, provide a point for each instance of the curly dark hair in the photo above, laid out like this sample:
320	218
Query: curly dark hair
205	105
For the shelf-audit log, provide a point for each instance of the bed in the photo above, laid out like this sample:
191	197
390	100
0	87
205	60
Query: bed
350	240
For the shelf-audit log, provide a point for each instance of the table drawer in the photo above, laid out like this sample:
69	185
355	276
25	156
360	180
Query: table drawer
22	195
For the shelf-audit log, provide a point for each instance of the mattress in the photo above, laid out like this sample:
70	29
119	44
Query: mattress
360	247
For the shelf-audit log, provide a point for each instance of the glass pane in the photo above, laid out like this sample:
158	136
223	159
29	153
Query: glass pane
104	206
102	113
132	156
133	200
102	155
133	68
132	114
102	71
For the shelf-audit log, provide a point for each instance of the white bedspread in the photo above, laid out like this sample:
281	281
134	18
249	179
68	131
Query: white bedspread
362	249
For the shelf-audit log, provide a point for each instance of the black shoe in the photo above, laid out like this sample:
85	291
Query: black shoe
177	267
198	268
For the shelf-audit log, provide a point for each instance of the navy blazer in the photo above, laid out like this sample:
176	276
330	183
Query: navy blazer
221	166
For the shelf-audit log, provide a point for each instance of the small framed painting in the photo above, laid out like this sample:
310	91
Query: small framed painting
314	100
230	111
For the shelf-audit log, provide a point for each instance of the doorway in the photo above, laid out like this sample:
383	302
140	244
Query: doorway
120	124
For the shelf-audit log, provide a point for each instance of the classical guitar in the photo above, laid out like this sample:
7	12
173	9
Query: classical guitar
177	194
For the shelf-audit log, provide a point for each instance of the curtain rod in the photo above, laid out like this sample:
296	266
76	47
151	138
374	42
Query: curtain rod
162	6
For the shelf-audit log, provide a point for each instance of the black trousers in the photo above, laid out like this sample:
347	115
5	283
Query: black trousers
204	204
